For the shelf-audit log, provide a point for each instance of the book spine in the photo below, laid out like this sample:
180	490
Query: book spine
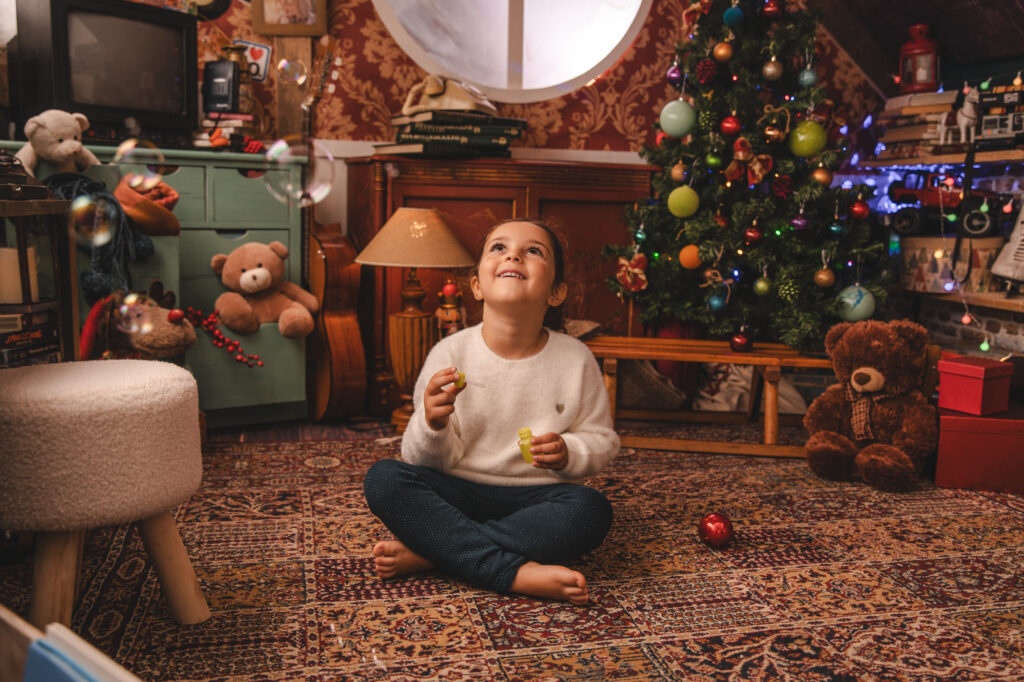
29	336
462	129
452	138
446	116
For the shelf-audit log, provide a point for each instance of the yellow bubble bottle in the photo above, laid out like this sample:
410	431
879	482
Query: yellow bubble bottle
524	444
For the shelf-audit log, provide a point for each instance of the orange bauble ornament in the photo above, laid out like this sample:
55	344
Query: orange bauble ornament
678	172
822	175
824	278
689	257
722	52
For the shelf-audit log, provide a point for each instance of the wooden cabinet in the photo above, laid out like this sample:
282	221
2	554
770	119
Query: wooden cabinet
584	201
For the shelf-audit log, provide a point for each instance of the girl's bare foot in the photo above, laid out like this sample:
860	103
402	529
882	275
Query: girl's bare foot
551	582
391	558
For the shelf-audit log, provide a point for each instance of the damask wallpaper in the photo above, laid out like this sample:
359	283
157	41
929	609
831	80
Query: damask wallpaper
616	112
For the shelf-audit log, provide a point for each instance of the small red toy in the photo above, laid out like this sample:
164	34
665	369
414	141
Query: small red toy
715	530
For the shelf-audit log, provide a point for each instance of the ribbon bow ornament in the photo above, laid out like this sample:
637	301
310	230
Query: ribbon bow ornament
632	273
744	161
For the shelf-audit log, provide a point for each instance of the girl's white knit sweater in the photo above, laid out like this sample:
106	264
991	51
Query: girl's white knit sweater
560	390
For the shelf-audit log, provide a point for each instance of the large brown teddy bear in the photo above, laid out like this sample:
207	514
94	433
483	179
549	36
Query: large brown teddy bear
254	273
874	423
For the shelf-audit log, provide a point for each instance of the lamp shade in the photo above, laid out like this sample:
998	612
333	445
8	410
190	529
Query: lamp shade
415	238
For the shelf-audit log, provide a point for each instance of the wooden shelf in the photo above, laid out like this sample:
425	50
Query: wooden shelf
995	299
998	156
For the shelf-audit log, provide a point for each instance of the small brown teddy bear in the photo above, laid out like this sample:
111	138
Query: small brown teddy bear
254	273
875	423
56	136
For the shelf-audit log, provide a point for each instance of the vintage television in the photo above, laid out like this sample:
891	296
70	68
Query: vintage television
120	63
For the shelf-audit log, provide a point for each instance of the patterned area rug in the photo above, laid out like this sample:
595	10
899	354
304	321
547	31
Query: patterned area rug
822	582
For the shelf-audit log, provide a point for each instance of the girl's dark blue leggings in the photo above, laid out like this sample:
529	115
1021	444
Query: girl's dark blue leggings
483	533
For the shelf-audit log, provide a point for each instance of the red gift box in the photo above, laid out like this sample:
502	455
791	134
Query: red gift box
974	385
981	453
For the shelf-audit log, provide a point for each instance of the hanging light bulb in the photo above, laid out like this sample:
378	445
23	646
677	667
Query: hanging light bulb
939	253
1008	207
951	217
1017	81
949	286
984	206
985	346
987	83
967	319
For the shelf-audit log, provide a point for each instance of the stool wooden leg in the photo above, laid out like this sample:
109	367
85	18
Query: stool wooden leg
610	368
173	569
771	404
54	577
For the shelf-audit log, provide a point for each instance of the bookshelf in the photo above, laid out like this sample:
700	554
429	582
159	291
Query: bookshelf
949	159
992	299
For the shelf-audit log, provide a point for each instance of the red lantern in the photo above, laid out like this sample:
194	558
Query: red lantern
919	61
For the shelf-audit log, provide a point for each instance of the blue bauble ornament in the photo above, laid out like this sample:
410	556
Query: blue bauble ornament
677	118
837	228
807	78
733	17
856	303
674	75
716	303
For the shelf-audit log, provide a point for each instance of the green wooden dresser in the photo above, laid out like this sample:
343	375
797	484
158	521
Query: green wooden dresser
220	208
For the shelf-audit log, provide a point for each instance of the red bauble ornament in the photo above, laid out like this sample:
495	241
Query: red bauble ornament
742	341
661	137
715	530
859	210
772	8
753	235
730	125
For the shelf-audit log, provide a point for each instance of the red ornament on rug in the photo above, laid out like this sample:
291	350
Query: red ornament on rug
715	530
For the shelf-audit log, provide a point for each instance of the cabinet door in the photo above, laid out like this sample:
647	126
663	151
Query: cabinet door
469	211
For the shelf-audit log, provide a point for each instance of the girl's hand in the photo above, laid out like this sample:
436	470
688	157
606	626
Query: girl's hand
549	451
438	401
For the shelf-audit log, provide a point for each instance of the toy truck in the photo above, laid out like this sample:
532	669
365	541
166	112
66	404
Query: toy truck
931	196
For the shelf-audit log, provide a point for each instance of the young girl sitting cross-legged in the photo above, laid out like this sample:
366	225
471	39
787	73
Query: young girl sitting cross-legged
463	499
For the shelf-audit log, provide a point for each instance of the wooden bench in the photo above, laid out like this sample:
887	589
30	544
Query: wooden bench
767	358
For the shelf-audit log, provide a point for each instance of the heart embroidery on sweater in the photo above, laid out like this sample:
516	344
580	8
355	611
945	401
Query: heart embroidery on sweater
559	408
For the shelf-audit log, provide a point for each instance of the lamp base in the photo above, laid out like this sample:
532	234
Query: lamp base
401	415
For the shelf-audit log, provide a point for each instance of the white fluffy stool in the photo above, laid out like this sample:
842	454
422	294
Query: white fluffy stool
100	443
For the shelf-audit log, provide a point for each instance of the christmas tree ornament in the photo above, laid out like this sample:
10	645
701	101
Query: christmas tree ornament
632	273
677	118
678	172
807	139
822	176
772	69
721	219
742	341
772	9
713	160
788	291
762	286
715	530
733	16
753	234
674	75
661	138
706	71
683	202
745	162
837	228
706	120
824	278
859	210
800	222
782	186
730	125
807	77
689	257
717	302
855	303
722	52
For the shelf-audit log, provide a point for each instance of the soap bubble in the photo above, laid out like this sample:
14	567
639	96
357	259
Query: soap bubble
89	220
135	316
286	180
292	71
141	162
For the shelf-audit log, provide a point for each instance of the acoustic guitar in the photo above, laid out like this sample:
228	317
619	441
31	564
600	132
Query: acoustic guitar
337	381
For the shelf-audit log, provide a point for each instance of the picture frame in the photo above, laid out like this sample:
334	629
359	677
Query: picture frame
289	17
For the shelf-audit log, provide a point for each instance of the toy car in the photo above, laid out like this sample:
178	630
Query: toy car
935	195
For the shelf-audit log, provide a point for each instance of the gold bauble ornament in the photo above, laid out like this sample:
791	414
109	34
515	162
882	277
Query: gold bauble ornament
772	70
722	52
678	172
824	278
822	175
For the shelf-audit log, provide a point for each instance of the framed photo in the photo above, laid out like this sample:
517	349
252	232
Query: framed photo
289	17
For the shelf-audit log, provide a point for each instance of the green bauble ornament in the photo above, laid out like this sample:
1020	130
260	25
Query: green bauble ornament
807	139
713	160
762	286
683	202
677	118
788	291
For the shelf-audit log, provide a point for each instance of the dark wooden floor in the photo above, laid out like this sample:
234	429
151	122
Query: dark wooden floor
355	428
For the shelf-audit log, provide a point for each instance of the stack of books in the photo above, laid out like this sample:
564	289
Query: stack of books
910	123
29	339
444	132
228	123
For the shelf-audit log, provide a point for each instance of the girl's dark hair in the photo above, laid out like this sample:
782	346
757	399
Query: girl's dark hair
554	317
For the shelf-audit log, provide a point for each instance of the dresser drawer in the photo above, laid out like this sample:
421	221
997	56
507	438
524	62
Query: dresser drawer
245	201
225	383
200	285
190	184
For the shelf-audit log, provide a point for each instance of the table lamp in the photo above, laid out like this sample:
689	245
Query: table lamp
412	238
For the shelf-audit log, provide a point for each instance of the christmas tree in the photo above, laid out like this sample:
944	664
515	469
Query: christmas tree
745	229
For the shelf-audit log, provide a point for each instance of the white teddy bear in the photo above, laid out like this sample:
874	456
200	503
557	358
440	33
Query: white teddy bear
56	136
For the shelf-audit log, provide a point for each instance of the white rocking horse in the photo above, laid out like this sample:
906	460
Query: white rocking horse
964	117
